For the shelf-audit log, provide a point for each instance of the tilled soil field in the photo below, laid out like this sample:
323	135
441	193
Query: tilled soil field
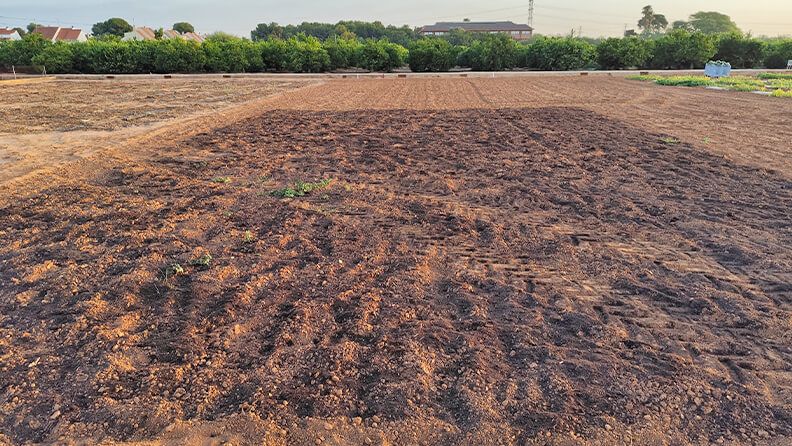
544	275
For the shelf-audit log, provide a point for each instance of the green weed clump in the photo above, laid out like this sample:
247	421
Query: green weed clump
202	261
784	84
779	82
643	77
740	83
300	189
775	76
685	81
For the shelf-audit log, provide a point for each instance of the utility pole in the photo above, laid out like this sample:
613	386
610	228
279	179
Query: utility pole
530	13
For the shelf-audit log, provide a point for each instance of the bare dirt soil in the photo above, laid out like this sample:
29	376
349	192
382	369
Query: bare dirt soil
744	127
46	124
67	105
488	275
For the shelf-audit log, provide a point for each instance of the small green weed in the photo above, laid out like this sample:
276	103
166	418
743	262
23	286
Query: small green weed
174	269
670	140
221	180
300	189
706	140
781	94
202	261
247	237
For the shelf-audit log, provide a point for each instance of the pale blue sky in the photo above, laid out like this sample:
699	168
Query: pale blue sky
596	18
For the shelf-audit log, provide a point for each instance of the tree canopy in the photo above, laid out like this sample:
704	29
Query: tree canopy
650	22
114	27
711	22
183	27
403	35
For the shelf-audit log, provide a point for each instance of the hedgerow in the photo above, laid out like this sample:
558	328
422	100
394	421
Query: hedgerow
431	54
342	50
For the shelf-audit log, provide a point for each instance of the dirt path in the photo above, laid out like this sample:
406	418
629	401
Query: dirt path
522	274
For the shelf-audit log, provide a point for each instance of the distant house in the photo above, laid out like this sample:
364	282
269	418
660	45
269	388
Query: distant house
140	33
517	31
146	33
194	37
58	34
9	34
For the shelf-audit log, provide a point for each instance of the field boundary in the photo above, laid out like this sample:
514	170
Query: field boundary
396	74
27	80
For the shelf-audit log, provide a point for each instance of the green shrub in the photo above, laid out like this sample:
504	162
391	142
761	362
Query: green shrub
777	53
494	52
57	58
273	54
431	54
682	49
740	51
628	52
252	50
178	56
226	56
397	55
381	55
105	56
343	52
559	53
22	52
305	54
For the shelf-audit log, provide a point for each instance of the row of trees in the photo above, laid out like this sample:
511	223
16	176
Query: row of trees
224	53
680	48
219	53
403	35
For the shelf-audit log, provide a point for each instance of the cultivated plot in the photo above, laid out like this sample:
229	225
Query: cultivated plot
439	275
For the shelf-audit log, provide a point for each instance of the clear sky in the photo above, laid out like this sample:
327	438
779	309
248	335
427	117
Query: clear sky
595	18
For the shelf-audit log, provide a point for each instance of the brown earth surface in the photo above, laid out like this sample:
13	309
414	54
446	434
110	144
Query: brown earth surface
492	263
46	124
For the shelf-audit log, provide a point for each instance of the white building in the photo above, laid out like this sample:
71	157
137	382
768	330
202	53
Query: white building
58	34
9	34
146	33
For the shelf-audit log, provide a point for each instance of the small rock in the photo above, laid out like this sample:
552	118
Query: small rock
357	421
55	415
